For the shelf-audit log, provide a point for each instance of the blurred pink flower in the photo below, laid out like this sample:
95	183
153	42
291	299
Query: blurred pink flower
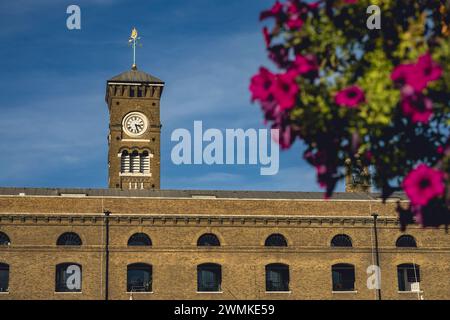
418	75
423	184
261	85
286	90
267	36
284	135
418	107
274	12
350	97
427	69
306	64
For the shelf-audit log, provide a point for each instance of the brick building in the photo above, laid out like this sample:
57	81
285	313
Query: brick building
136	241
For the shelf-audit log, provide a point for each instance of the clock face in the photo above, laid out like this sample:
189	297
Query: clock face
135	124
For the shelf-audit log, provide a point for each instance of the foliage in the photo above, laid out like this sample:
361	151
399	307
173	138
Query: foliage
377	97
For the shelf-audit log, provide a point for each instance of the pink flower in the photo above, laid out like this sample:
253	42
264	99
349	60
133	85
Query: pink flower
275	11
423	184
427	69
295	20
306	64
417	76
350	1
261	85
283	135
267	37
418	107
286	90
350	97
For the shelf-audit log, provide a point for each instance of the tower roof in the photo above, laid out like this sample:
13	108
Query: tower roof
135	75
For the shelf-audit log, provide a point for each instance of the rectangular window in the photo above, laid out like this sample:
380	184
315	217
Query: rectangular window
4	277
209	278
408	277
343	277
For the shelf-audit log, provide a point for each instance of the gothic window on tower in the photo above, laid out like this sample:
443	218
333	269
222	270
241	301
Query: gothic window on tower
135	163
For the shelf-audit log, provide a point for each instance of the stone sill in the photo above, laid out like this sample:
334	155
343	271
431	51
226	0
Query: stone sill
80	292
7	292
140	292
351	292
414	292
213	292
278	292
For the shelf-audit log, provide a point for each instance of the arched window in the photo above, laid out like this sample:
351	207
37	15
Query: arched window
4	277
139	277
276	240
277	277
139	239
69	239
68	277
209	277
341	240
145	162
408	277
208	240
343	276
135	162
4	239
406	241
125	162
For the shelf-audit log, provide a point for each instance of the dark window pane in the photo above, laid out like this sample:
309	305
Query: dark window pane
139	239
276	240
406	241
341	240
407	275
4	277
4	239
68	277
277	277
139	277
209	278
208	240
69	239
343	276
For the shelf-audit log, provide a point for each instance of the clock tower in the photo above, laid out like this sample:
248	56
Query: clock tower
133	99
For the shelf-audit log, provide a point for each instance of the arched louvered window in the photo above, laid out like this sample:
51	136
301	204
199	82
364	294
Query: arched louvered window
135	162
408	277
406	241
68	277
139	239
343	276
341	240
277	277
209	277
4	239
4	277
125	162
208	240
139	277
276	240
69	239
145	162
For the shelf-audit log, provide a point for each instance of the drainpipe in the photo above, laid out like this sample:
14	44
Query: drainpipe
107	213
377	253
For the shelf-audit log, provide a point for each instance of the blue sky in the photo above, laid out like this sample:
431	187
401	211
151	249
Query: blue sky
54	120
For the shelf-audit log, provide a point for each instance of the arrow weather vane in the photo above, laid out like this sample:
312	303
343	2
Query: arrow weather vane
133	41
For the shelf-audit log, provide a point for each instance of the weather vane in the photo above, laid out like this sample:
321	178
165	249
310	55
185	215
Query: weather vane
133	41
